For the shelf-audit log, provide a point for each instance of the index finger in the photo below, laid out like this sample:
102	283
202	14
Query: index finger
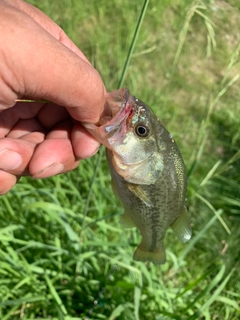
36	64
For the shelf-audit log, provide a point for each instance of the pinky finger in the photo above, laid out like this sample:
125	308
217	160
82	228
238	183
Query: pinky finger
7	181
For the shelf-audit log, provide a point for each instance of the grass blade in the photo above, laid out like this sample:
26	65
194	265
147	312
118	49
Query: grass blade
215	294
195	239
134	40
55	296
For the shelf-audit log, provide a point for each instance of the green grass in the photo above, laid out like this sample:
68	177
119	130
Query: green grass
63	254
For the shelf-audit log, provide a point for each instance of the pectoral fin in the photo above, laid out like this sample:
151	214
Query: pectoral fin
139	192
181	227
126	221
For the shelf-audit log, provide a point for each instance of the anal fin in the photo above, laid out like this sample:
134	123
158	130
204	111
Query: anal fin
126	221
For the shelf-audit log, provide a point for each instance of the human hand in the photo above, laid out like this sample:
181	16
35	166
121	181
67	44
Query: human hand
38	61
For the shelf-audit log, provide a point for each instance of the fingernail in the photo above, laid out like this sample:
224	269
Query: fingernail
94	152
9	159
52	170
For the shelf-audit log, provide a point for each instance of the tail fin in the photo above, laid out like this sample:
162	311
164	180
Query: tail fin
156	257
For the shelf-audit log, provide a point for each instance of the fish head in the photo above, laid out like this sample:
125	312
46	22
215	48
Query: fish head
130	136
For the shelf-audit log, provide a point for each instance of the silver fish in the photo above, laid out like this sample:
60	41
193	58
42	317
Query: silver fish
148	173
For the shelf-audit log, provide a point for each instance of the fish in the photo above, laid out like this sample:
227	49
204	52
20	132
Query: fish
148	173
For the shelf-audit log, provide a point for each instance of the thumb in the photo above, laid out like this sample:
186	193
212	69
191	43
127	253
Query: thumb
34	64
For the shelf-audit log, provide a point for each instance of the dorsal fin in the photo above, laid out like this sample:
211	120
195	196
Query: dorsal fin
181	226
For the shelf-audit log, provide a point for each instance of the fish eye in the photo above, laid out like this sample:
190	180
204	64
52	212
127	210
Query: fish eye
142	130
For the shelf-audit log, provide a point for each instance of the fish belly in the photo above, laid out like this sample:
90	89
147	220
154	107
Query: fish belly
151	220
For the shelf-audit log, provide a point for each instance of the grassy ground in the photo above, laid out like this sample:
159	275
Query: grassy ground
63	254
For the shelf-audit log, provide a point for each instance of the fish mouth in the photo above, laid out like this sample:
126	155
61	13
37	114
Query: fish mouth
119	104
113	124
117	100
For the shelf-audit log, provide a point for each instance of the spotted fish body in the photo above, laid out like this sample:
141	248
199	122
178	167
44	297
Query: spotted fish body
148	173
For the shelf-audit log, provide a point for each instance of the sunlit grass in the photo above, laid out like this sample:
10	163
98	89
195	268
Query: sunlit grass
63	254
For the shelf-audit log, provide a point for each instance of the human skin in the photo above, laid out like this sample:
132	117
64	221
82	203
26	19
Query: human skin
39	61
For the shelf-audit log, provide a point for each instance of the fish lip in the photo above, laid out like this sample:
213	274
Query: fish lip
111	128
114	98
118	102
